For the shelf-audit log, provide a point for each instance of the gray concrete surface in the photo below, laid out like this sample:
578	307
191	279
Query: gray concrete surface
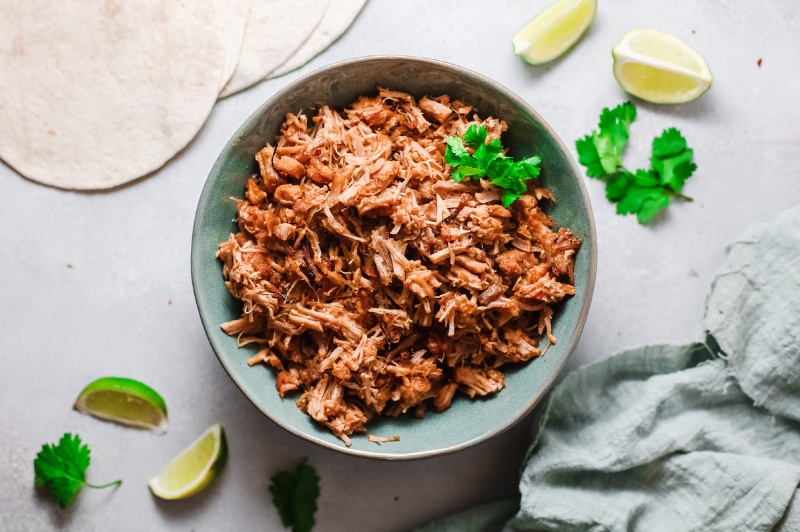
98	284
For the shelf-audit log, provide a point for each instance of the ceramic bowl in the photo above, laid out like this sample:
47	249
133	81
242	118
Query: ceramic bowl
467	421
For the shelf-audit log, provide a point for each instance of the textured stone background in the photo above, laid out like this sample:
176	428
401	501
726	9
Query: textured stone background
97	284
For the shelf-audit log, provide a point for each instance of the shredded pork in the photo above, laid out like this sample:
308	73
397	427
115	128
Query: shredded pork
379	440
373	283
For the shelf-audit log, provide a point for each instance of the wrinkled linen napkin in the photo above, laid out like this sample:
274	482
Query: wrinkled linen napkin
701	437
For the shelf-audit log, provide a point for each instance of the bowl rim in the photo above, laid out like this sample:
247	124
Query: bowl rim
251	120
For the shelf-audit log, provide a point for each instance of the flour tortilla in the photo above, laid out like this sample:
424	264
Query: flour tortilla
338	17
275	30
233	19
93	95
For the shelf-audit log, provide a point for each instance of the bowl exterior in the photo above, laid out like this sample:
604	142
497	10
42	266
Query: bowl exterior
468	421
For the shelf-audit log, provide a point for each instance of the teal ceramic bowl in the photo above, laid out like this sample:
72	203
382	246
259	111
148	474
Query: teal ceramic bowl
468	421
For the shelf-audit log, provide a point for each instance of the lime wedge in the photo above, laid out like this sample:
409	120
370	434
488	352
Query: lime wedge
659	67
195	468
124	401
553	31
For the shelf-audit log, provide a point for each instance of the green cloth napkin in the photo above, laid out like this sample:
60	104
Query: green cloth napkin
702	437
753	312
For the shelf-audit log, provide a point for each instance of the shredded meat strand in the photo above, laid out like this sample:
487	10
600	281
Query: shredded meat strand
373	283
379	440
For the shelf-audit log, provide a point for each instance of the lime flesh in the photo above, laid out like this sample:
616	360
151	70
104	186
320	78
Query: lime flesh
553	31
195	468
126	401
660	68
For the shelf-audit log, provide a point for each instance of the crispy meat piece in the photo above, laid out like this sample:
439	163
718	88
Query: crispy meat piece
288	194
561	251
268	175
434	109
290	167
372	282
254	192
479	381
515	262
286	382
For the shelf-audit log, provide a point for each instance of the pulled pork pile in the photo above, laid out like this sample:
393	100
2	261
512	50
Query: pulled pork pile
374	283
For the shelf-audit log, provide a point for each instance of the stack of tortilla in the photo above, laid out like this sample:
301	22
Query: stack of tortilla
94	95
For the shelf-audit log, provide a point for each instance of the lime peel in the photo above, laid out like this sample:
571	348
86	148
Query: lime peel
195	468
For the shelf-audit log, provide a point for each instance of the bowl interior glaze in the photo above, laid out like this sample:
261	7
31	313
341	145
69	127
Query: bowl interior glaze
468	421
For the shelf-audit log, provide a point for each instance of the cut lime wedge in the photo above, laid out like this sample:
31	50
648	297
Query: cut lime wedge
659	67
195	468
124	401
553	31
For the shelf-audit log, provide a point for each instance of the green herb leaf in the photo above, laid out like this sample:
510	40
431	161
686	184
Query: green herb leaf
487	160
531	166
589	157
612	136
672	159
644	192
615	124
62	469
455	151
486	153
670	143
601	151
640	194
509	197
644	202
295	494
617	185
475	135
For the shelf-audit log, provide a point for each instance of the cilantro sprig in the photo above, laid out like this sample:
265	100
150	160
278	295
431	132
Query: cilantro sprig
295	494
487	161
643	192
62	469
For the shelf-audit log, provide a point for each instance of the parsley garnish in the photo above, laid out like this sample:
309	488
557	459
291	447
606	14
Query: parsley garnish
294	494
487	160
62	469
644	192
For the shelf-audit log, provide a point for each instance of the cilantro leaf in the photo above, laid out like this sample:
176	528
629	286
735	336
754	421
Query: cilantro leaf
614	123
601	151
455	151
616	186
486	153
589	157
644	192
640	194
645	178
501	169
644	202
467	171
295	494
62	469
475	135
487	160
610	156
530	166
672	159
671	142
509	197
